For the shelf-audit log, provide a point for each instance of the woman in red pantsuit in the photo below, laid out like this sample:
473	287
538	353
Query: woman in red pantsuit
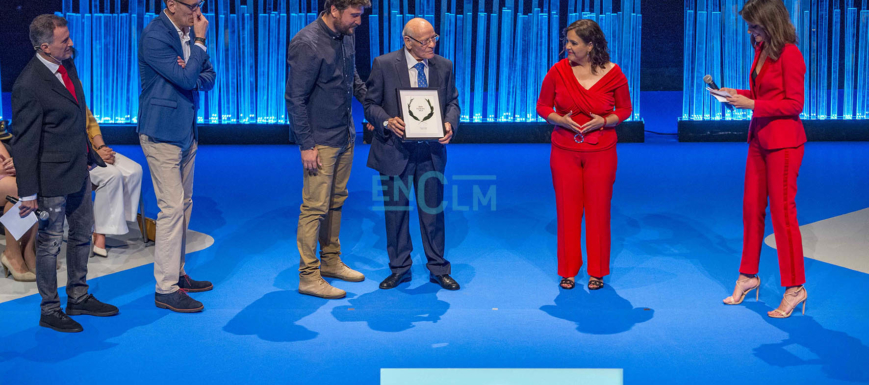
775	151
584	96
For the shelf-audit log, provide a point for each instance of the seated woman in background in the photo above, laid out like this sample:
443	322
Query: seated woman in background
118	186
19	257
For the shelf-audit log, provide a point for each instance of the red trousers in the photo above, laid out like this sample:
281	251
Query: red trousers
773	174
583	180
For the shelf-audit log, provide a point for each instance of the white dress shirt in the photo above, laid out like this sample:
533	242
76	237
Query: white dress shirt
411	61
185	39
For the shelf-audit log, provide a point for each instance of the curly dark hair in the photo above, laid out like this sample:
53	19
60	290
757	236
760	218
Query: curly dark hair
341	5
590	32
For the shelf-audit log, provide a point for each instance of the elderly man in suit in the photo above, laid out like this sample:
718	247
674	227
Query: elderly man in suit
173	68
52	159
419	163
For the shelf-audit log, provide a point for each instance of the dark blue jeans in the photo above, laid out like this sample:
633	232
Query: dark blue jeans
79	210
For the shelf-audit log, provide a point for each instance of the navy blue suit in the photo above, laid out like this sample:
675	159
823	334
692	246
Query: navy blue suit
170	94
404	164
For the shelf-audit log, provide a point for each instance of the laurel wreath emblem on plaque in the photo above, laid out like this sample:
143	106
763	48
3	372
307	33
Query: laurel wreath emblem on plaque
427	117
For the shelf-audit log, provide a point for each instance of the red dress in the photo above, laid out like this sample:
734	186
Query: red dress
775	153
583	174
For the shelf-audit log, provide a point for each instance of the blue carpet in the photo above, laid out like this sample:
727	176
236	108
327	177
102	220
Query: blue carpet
677	237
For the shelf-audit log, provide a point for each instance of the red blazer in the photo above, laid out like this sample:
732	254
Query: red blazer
562	93
778	93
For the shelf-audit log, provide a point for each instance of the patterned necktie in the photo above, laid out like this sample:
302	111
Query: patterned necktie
67	82
421	81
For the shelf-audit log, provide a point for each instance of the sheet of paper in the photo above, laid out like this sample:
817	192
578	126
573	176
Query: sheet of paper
719	95
16	225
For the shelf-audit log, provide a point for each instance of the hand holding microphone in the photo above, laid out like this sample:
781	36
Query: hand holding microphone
711	83
27	207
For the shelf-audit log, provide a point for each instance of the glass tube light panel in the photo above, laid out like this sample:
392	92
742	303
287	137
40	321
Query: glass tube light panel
275	85
688	60
637	55
232	60
492	94
814	65
715	59
506	69
467	48
863	68
516	82
460	67
450	37
824	72
850	59
807	55
834	67
533	50
262	71
479	70
699	67
555	46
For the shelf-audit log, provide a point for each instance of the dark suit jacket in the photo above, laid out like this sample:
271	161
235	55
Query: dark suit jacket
49	143
778	94
388	154
170	99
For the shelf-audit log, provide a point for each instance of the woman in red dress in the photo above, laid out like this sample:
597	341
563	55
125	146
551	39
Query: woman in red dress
584	96
775	151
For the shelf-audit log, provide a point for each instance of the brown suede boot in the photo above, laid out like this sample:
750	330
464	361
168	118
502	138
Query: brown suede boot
342	272
316	286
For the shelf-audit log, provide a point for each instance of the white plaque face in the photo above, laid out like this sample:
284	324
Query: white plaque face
421	112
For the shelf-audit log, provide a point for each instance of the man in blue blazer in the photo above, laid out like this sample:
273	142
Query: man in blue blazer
173	68
419	163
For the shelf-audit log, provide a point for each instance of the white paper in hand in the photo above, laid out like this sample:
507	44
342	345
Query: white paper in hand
15	224
719	95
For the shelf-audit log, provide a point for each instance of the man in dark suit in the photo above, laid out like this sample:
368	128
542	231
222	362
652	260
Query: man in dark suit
173	68
52	159
420	163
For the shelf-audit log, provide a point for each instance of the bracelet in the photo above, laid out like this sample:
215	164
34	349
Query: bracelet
100	147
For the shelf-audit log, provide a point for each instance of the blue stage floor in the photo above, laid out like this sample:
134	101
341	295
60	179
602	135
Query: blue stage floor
677	238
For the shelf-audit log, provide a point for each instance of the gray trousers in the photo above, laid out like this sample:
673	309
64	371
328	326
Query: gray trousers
172	174
79	210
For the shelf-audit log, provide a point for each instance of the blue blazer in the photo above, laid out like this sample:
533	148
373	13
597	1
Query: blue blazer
388	154
169	100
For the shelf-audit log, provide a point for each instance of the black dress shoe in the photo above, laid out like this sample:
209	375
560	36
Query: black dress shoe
445	281
178	301
395	279
187	283
59	321
91	306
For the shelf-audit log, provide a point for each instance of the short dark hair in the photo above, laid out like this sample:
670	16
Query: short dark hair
42	29
341	5
590	32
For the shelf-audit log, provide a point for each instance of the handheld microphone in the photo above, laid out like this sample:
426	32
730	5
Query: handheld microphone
711	83
40	214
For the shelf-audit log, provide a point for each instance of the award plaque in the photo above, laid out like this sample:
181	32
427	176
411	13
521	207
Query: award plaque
421	111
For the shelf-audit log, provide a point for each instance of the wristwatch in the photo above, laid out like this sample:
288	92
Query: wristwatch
385	124
199	39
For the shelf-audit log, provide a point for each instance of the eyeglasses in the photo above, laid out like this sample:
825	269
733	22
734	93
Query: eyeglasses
433	39
191	6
